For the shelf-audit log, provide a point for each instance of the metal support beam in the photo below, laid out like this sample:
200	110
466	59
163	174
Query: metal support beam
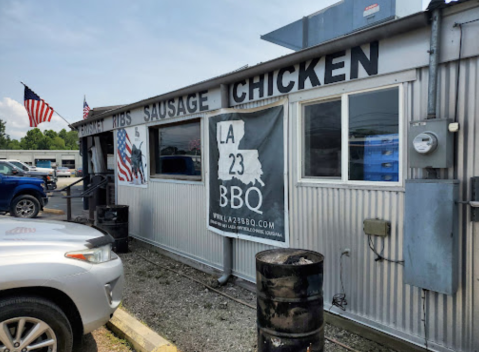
305	32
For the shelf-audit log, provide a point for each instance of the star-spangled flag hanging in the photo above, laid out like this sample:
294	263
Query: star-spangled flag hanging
124	156
38	110
86	109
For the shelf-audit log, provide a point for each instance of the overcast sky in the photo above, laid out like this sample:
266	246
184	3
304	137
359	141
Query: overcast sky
121	51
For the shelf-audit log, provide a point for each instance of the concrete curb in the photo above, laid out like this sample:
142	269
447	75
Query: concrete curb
53	211
141	337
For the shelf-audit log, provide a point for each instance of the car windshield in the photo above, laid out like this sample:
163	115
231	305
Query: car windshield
20	165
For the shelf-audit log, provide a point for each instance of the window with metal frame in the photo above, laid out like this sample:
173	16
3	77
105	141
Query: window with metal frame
354	137
176	151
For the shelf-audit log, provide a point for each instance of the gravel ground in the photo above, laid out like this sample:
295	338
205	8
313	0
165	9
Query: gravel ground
196	319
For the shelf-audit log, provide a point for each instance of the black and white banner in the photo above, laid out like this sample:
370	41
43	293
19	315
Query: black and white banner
247	183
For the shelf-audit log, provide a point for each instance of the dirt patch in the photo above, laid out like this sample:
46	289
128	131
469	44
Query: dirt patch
195	318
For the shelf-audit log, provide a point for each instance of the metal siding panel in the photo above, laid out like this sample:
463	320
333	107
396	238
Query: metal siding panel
329	219
168	215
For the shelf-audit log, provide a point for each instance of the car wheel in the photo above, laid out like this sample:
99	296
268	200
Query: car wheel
33	324
25	206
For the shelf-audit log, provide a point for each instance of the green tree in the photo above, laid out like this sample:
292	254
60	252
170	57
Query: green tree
71	140
4	137
36	140
45	143
32	139
62	134
50	133
57	144
14	145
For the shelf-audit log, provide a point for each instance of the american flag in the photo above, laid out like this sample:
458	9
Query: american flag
38	111
124	156
86	109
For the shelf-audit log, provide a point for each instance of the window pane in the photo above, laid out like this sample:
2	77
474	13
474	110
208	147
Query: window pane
5	169
179	150
374	136
322	139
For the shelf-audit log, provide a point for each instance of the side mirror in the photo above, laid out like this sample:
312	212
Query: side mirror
14	172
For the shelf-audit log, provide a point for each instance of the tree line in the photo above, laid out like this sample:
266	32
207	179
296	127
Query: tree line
38	140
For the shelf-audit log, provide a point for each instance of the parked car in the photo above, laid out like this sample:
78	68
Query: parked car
8	168
63	171
79	172
27	168
59	281
21	196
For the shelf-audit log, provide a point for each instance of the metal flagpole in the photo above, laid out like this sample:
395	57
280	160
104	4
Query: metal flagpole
54	110
73	128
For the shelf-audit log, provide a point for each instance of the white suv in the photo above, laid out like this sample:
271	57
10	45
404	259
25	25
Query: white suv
58	280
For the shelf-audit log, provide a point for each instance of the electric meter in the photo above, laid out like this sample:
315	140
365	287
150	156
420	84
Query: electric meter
425	143
430	144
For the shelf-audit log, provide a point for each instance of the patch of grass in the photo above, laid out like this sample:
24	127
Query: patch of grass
114	340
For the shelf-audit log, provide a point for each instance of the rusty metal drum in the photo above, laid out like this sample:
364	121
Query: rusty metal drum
289	287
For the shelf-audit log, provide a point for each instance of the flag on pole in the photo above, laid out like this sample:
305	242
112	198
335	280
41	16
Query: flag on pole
124	156
38	111
86	108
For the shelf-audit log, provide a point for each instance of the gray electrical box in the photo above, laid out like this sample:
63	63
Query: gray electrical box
376	227
430	144
431	241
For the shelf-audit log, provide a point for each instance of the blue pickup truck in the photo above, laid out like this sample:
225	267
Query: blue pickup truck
22	196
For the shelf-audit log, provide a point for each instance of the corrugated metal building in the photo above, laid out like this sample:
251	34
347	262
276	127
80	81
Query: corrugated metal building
327	205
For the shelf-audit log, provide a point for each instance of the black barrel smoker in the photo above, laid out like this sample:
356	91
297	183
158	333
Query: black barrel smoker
289	286
114	220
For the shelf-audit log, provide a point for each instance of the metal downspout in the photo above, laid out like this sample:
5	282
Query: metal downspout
227	241
431	173
433	63
227	260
